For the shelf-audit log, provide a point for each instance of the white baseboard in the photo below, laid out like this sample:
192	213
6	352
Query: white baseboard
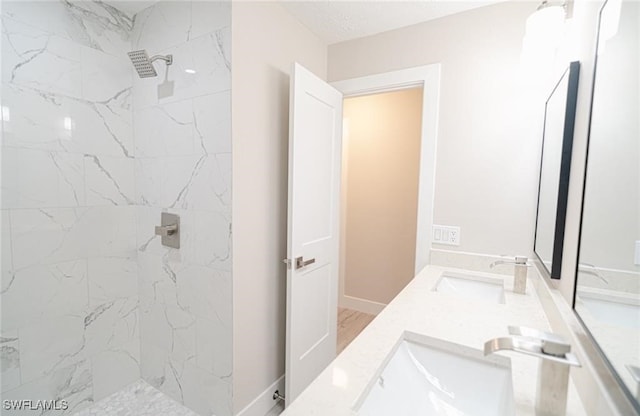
264	402
361	305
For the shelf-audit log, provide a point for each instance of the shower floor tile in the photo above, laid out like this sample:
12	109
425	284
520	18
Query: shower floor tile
137	399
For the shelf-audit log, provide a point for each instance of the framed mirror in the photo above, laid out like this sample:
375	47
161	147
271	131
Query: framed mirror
607	298
555	166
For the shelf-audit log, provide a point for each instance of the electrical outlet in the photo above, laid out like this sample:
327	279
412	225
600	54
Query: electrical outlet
445	234
636	257
454	236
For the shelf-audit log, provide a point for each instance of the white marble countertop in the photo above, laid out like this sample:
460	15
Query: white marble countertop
420	310
621	343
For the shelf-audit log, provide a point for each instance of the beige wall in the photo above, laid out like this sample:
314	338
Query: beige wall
488	147
489	130
266	41
490	123
382	163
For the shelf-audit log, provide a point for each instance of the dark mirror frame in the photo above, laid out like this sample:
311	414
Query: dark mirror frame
573	72
633	402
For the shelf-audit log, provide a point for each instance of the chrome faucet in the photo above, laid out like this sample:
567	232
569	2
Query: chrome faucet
553	373
516	260
519	273
635	374
593	270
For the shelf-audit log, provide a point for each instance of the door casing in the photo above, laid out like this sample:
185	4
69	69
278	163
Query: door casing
427	77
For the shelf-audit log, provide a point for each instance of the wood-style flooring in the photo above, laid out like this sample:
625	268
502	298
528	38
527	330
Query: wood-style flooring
350	324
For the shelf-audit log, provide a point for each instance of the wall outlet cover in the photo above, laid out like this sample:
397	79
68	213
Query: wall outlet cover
446	234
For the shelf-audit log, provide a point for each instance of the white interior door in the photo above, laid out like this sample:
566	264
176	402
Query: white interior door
315	133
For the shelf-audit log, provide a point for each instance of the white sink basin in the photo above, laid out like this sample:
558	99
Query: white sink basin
612	310
427	376
471	286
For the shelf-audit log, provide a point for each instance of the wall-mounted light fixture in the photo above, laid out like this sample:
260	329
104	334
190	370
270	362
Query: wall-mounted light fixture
609	22
546	30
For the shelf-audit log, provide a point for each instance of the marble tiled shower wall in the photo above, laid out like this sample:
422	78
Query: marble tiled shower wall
70	315
183	165
90	300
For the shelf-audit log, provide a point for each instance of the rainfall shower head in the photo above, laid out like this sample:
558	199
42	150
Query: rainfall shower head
144	64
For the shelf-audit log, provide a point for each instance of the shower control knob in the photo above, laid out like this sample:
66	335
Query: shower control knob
169	230
166	230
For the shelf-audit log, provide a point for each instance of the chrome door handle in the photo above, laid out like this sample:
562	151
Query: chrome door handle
166	230
300	263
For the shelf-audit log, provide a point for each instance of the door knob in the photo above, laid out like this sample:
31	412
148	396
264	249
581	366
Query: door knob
300	262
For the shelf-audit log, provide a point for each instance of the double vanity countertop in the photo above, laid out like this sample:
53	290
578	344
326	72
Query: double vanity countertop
421	310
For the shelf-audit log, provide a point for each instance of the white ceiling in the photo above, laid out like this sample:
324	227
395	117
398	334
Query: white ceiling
338	21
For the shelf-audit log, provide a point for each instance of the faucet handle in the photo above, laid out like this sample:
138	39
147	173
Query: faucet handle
521	260
557	349
534	333
551	344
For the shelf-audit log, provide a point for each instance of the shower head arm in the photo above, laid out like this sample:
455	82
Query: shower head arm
168	59
144	65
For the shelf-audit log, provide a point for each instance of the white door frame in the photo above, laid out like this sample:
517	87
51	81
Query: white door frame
428	77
